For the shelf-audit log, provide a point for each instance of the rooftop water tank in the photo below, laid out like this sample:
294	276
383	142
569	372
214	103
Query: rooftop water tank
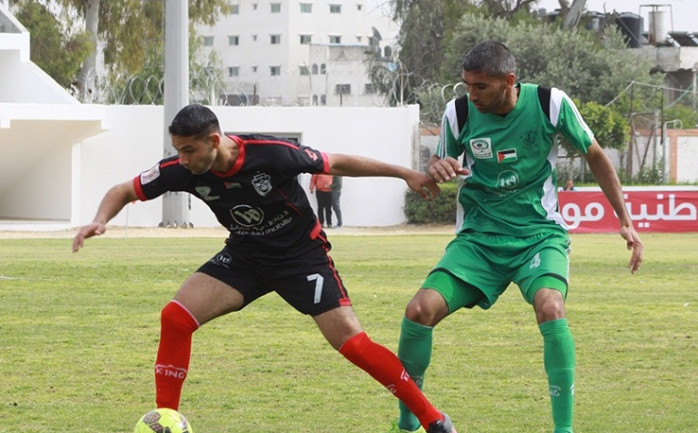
630	25
657	27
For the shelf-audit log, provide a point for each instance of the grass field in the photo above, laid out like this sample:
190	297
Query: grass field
78	335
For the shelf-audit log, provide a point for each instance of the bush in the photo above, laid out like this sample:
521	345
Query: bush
439	210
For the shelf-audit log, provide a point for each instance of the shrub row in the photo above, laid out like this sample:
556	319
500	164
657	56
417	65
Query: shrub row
438	210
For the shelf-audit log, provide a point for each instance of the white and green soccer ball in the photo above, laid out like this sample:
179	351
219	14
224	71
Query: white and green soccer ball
163	421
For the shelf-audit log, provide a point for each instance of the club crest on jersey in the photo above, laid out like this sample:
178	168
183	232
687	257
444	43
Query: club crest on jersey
262	184
481	148
528	138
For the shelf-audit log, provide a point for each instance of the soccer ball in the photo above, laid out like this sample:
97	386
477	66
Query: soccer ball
163	421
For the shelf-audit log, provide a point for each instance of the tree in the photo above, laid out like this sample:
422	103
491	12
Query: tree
681	116
48	37
610	127
426	28
127	30
507	9
573	60
147	86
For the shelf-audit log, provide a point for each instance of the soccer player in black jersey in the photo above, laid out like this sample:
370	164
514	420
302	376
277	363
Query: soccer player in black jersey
276	244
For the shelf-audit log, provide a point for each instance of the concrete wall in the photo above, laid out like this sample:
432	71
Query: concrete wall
683	155
133	142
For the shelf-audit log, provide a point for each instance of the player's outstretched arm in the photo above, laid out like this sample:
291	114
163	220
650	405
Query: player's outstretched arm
605	174
114	200
361	166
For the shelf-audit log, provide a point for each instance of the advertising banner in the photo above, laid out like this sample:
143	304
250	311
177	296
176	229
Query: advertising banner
652	210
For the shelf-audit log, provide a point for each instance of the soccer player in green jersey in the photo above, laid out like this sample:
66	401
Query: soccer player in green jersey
509	228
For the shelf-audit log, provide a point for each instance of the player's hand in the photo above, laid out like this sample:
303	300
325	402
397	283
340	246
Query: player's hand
423	185
443	170
87	231
634	244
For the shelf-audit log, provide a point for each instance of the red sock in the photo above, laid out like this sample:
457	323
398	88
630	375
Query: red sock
386	368
176	328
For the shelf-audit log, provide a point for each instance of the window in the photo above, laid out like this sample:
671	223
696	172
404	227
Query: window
275	70
315	99
233	40
235	9
254	68
323	100
314	68
334	39
275	39
359	7
254	6
306	8
304	70
369	89
306	39
233	71
254	38
208	41
342	89
275	8
323	69
335	9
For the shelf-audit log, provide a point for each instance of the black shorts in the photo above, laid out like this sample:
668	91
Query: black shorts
308	282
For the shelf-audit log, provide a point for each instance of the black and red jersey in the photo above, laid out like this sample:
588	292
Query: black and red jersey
259	200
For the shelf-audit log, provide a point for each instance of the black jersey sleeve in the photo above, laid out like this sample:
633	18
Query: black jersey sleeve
166	175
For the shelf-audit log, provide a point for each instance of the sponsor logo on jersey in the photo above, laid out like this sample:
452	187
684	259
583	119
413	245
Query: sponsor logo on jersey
231	185
506	155
205	193
247	216
222	259
262	183
507	180
481	148
150	174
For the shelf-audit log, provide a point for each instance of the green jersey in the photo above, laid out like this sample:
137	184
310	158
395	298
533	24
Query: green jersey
511	188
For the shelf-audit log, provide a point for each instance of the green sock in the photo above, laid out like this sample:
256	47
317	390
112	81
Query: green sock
559	361
414	351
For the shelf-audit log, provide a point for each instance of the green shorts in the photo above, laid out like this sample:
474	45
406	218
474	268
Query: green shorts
478	267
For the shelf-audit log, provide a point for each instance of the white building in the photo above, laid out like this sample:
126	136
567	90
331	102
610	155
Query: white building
299	53
59	156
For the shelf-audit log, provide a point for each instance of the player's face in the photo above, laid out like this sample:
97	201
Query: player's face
196	155
489	94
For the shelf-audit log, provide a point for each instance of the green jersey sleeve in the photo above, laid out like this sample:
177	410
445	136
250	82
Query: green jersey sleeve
449	139
568	121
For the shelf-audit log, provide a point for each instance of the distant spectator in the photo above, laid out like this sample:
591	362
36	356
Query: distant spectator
569	186
321	186
336	194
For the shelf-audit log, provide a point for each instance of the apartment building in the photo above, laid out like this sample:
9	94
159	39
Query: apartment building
299	52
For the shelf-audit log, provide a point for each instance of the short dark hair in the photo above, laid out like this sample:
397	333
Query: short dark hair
194	120
492	57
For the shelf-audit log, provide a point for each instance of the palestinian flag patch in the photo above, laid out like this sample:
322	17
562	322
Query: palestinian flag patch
506	155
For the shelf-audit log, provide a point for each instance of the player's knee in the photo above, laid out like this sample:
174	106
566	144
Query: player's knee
549	305
175	316
420	312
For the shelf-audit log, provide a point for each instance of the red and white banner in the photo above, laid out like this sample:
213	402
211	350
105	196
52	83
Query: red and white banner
652	210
